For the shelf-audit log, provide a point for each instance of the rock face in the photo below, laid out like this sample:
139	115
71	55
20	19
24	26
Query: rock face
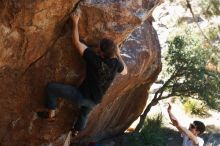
126	99
35	48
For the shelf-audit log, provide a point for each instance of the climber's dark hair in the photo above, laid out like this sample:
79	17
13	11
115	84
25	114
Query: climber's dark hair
108	47
200	126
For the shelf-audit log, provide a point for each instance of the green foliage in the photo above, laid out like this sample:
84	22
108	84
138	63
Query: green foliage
210	7
213	32
152	134
187	60
195	107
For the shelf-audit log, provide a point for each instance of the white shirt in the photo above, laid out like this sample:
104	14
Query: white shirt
188	142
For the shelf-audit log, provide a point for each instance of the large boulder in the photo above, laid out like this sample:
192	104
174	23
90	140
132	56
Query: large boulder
36	48
126	98
113	19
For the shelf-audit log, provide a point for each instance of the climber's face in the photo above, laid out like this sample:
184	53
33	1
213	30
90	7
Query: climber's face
108	47
99	51
192	128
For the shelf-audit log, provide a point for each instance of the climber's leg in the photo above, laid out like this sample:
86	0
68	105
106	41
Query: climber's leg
82	119
55	90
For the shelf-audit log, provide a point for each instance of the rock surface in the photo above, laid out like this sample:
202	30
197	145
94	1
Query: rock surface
36	48
129	93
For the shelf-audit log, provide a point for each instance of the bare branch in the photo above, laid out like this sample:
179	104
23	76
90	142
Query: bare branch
194	18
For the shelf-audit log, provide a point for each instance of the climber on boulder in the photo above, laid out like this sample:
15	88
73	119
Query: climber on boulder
101	69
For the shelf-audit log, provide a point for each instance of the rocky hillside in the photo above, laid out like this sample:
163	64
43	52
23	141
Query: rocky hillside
35	46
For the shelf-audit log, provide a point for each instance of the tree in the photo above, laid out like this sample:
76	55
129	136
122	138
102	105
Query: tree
189	75
210	7
192	62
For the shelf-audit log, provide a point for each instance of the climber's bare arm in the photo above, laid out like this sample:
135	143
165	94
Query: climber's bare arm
75	34
182	129
118	54
188	134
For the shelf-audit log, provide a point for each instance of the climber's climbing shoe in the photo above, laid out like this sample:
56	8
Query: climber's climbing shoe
46	115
